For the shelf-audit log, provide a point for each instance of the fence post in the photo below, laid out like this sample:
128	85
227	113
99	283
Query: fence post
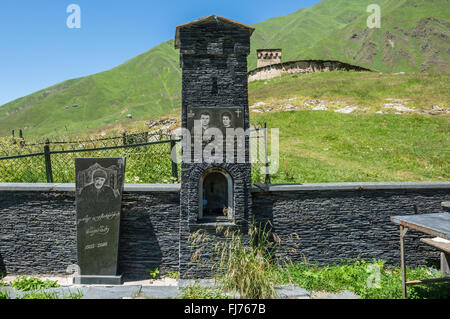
22	140
48	162
174	164
267	179
124	138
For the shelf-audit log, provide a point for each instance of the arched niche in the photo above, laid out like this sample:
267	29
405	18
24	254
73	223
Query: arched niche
216	196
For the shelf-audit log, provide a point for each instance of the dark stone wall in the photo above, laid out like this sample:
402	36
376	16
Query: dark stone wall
149	233
327	226
38	233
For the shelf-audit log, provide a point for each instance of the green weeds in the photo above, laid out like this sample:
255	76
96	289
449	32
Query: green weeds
31	283
369	280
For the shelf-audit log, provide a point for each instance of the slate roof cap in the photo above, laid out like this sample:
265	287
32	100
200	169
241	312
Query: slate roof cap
210	18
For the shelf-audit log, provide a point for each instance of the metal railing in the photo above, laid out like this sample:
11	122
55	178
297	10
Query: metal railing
147	162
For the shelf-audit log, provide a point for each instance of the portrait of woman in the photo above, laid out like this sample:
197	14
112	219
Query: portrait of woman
227	120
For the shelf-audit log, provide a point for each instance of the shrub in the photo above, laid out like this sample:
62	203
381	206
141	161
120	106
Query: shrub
153	273
244	268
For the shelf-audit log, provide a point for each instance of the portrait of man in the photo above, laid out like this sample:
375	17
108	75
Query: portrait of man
205	120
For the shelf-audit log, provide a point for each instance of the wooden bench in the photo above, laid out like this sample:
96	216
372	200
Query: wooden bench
444	248
431	224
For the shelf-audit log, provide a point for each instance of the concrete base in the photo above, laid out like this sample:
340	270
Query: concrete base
97	280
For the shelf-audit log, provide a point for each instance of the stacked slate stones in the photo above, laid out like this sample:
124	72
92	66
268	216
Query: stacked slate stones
213	57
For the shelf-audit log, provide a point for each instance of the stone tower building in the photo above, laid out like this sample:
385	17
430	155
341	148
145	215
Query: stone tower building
213	57
268	57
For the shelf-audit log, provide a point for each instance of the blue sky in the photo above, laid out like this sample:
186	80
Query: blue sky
38	50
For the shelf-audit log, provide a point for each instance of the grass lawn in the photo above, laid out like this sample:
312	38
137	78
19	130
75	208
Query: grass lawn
324	146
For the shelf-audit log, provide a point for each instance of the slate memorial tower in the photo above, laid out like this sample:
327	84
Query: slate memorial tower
216	188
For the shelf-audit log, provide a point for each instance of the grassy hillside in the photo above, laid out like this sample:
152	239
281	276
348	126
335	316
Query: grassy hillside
369	91
299	32
322	146
328	146
414	37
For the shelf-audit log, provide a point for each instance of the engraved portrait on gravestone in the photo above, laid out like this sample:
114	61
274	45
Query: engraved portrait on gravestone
99	187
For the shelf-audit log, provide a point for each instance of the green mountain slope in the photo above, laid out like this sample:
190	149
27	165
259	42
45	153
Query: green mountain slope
414	37
299	32
147	85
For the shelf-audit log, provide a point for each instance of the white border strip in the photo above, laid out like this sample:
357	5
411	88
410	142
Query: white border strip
161	188
71	187
350	186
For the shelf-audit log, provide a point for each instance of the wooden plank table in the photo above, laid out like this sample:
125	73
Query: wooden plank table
437	225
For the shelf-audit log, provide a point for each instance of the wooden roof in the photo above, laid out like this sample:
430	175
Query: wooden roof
210	18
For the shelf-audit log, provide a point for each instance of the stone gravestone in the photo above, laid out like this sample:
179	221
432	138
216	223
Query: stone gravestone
99	186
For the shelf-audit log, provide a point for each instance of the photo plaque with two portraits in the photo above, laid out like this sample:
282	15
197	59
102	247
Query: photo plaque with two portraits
218	117
208	125
99	187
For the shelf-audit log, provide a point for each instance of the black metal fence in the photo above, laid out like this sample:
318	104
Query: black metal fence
149	158
147	162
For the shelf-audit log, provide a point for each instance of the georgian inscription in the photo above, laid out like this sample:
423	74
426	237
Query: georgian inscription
102	230
101	217
99	184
